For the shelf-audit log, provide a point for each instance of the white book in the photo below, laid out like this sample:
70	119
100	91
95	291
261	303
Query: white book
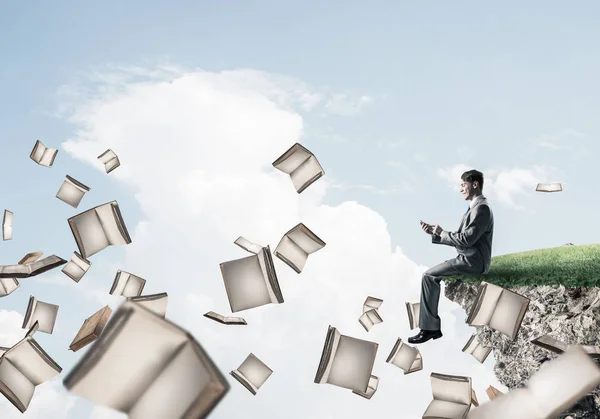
474	400
548	187
346	362
371	389
405	357
76	267
42	313
8	285
23	367
7	225
148	368
474	348
72	191
224	319
554	388
127	284
370	316
27	270
413	310
493	392
451	397
499	308
302	166
99	227
252	373
42	155
157	303
559	347
251	281
110	160
30	258
296	245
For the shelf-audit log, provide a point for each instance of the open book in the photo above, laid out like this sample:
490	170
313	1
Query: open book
23	367
98	228
451	397
413	310
148	368
252	374
110	160
346	362
91	329
42	313
548	187
371	389
28	270
30	257
474	400
157	303
370	316
251	281
8	285
127	284
224	319
474	348
76	267
555	387
301	165
296	245
405	357
559	347
72	191
493	392
501	309
42	155
7	225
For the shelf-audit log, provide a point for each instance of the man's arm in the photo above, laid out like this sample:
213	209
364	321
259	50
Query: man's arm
474	230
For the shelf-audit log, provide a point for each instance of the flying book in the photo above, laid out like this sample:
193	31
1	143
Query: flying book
370	316
157	303
501	309
493	392
451	397
346	362
98	228
474	400
251	281
42	313
30	257
371	389
8	285
548	187
413	310
301	165
3	349
223	319
405	357
110	160
474	348
76	267
91	329
23	367
554	388
28	270
127	285
42	155
559	347
138	359
72	191
296	245
7	225
252	374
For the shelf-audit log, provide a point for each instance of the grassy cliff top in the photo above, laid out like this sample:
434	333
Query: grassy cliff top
571	266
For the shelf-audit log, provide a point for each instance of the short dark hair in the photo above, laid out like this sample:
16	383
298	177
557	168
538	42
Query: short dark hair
472	176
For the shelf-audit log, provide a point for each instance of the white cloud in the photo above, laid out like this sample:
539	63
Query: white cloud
345	105
505	186
197	148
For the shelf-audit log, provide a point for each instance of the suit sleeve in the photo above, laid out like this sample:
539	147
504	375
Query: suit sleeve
435	239
478	224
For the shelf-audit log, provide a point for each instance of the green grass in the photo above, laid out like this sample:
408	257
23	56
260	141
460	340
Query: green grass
571	266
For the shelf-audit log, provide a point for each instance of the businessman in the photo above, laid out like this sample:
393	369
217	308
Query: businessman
473	242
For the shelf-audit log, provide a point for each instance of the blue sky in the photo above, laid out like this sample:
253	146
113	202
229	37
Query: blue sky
407	97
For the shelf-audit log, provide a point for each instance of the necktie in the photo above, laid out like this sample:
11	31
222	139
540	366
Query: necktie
468	208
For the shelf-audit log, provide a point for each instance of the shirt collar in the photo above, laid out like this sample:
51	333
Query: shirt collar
473	201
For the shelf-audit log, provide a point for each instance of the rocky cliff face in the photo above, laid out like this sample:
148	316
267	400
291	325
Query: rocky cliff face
571	315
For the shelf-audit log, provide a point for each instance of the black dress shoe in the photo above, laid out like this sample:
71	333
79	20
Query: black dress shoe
425	335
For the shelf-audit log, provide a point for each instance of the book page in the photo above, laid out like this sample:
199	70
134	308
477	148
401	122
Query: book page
27	359
506	315
175	389
372	302
265	274
303	240
292	252
89	228
244	283
248	245
481	353
550	343
37	152
332	341
70	194
404	357
254	371
109	222
365	321
353	363
16	382
7	286
307	171
156	303
517	404
443	409
48	157
45	314
490	297
298	156
455	389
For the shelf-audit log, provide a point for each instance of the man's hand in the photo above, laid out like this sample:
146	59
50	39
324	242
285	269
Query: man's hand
427	228
436	230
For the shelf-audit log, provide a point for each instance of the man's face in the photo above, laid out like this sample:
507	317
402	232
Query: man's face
467	190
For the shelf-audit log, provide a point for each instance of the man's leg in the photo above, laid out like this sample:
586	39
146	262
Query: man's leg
430	290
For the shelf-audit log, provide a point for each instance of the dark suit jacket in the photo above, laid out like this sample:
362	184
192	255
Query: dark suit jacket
473	239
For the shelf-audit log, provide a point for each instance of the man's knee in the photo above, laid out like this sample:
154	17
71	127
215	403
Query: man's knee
426	277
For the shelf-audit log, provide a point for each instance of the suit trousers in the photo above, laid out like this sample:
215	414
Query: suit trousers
430	288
